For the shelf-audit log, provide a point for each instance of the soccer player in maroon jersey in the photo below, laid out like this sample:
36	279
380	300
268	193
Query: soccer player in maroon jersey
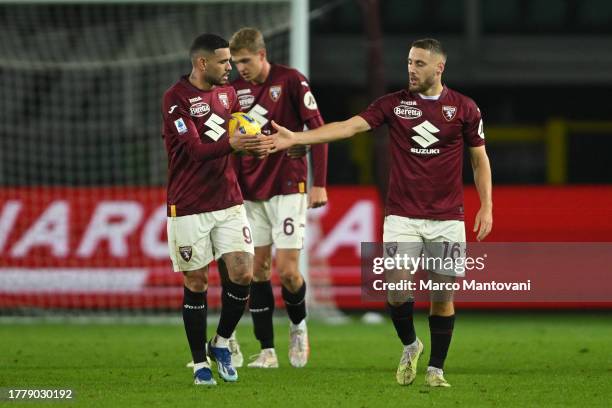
206	217
429	126
275	190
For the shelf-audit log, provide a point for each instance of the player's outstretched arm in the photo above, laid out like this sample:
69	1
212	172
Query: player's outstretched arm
482	178
284	138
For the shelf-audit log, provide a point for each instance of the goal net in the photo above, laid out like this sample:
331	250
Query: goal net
83	166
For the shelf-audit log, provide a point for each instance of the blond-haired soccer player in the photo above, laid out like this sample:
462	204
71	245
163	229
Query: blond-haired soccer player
275	190
429	125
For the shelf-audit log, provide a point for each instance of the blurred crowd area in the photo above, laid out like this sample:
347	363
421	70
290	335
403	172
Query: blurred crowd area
82	83
538	69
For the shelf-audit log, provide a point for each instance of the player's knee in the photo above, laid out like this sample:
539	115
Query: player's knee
399	297
442	308
262	270
239	267
197	286
290	278
242	274
261	275
196	281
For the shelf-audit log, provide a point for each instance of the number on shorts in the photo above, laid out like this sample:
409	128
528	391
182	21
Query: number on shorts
455	250
288	227
246	232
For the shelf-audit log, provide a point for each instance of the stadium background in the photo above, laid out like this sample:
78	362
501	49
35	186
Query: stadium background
82	166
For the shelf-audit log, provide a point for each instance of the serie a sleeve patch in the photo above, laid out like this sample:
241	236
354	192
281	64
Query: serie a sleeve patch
180	125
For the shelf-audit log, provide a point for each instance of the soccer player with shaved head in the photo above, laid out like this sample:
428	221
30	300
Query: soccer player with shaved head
429	126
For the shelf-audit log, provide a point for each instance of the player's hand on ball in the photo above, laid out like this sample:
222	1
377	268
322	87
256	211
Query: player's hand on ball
483	223
317	197
297	151
283	138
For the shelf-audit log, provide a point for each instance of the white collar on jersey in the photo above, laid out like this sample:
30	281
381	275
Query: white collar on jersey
430	98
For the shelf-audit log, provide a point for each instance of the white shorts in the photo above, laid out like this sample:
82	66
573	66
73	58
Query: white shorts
281	221
440	242
195	240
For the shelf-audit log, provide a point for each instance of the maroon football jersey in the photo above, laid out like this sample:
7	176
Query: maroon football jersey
284	97
427	138
200	175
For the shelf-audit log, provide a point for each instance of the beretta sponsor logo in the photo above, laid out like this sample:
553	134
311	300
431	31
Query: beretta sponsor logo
407	112
199	109
246	101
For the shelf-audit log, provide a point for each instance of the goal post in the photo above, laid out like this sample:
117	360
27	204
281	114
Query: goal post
82	164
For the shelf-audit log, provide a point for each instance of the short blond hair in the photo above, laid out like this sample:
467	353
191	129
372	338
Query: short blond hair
248	37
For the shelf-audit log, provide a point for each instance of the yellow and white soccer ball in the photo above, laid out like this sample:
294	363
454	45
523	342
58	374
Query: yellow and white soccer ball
244	123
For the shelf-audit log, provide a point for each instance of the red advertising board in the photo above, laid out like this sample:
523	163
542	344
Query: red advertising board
106	247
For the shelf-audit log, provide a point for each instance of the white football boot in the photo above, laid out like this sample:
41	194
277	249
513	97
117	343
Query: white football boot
299	347
237	358
435	378
265	359
406	371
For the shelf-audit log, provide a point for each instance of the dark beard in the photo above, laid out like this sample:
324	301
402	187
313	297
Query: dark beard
214	81
424	86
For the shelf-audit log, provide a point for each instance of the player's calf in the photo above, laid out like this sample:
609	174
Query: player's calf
441	330
262	311
235	291
233	301
194	321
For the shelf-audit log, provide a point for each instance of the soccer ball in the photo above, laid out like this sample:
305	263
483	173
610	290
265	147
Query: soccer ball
245	124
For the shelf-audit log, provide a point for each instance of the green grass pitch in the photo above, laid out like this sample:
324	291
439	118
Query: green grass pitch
496	359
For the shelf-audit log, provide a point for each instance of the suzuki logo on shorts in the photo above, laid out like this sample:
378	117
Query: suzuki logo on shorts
425	138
